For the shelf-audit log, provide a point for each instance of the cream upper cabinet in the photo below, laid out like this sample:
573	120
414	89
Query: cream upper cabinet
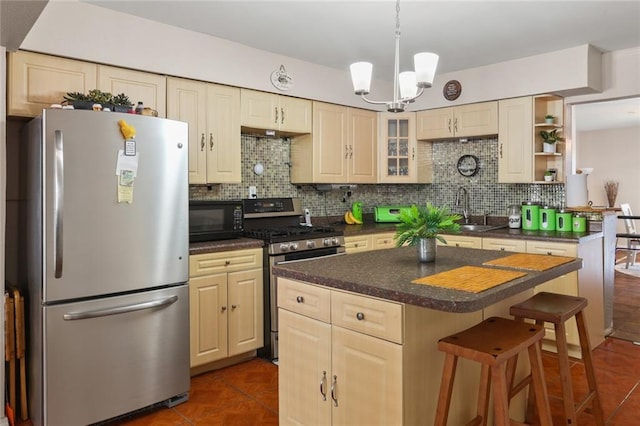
225	304
36	81
515	154
213	114
269	111
149	88
401	158
341	148
521	157
479	119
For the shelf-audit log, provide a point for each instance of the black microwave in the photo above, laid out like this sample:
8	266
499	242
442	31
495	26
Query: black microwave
215	220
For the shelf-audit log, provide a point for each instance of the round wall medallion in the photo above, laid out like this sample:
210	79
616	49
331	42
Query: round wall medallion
468	165
281	80
452	90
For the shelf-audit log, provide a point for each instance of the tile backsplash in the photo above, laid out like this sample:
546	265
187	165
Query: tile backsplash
485	194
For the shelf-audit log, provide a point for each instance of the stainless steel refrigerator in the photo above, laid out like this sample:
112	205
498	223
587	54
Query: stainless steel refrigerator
107	243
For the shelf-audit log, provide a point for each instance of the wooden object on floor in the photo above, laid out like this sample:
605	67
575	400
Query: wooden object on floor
557	309
9	348
493	342
21	351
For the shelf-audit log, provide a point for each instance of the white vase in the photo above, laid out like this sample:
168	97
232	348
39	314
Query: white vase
548	120
549	148
426	250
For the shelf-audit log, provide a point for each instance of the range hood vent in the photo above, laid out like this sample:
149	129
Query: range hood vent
335	187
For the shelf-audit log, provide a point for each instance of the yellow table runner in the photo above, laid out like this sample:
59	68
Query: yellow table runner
530	262
473	279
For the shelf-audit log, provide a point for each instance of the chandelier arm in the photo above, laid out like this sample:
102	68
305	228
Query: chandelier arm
413	98
373	102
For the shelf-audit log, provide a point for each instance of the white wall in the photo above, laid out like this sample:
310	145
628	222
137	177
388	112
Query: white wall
106	36
614	154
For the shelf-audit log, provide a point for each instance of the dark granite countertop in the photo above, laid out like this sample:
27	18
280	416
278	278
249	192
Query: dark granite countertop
224	245
387	274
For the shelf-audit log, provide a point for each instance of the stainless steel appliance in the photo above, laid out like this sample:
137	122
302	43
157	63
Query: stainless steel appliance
215	220
277	221
108	250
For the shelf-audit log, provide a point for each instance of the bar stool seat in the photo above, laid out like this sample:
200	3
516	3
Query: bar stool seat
492	343
557	309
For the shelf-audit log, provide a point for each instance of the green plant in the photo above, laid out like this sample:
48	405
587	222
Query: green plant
99	97
548	173
121	99
550	136
548	117
424	222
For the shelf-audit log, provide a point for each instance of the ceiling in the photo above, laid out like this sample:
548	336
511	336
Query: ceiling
466	34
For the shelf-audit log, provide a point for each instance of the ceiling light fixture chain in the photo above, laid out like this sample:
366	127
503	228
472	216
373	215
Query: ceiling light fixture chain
406	84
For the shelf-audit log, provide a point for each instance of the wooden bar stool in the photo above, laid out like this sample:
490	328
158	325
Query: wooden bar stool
557	309
492	343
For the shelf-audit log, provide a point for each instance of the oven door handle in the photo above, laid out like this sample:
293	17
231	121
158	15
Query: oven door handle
282	262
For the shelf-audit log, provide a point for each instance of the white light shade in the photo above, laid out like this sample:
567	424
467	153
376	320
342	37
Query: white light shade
407	82
361	77
425	64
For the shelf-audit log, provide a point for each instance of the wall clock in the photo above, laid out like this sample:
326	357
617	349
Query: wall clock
468	165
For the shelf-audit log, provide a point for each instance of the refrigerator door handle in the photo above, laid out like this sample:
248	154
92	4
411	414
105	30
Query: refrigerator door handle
58	196
120	309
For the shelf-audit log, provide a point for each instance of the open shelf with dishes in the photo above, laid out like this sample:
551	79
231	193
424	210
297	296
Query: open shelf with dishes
543	161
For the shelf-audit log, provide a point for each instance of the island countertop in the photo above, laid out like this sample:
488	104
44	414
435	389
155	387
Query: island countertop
387	274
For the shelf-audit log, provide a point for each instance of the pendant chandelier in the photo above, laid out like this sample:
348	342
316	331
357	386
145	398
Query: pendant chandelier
406	84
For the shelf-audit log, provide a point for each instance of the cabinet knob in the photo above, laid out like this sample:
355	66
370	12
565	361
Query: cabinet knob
549	253
227	262
224	308
233	307
300	299
360	316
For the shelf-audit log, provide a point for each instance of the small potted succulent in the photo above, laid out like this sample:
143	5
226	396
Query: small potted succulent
118	103
548	176
421	226
549	139
548	119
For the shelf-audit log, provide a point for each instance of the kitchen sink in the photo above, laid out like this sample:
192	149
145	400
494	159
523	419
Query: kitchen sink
472	227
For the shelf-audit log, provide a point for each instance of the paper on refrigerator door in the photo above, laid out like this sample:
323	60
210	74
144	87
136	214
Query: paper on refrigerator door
126	171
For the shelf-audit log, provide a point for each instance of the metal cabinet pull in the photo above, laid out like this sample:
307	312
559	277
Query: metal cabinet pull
449	125
346	152
500	150
120	309
300	299
233	307
350	151
323	386
224	308
360	316
281	115
455	124
202	143
276	120
227	262
413	153
334	383
210	141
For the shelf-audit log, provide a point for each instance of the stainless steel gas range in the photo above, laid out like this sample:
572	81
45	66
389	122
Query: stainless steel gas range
277	221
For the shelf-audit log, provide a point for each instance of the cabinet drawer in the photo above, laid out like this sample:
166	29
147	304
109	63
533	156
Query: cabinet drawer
504	244
552	248
304	299
461	241
366	315
355	244
383	241
226	261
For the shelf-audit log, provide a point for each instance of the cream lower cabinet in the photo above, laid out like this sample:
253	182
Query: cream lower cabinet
213	114
349	359
225	304
461	241
368	242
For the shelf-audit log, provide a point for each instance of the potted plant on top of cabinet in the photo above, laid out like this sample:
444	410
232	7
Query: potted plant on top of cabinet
549	139
421	226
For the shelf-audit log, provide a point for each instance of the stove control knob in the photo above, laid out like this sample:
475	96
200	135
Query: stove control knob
311	244
284	247
334	242
326	242
293	246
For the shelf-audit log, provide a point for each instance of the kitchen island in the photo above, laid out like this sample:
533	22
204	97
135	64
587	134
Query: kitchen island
358	340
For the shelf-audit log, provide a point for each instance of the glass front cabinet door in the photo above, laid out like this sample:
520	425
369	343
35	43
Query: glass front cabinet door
397	148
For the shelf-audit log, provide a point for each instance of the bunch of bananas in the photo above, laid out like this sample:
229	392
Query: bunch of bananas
351	219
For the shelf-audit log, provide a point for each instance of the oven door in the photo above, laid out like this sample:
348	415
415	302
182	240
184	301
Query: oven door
273	301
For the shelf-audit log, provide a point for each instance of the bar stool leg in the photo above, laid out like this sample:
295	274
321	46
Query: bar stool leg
446	389
565	375
500	396
483	395
537	376
587	357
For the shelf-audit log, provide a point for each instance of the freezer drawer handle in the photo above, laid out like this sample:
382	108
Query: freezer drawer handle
58	196
120	309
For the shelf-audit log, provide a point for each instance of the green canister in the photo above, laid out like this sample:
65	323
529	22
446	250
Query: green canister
564	221
579	223
547	218
530	215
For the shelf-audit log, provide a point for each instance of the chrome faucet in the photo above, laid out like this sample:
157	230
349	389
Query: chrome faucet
465	203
